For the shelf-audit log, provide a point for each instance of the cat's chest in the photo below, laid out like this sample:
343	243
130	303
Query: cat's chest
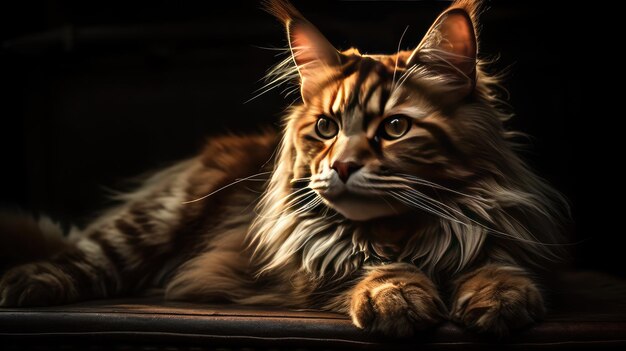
388	238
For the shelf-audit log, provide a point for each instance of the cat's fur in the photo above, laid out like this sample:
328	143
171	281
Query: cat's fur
395	233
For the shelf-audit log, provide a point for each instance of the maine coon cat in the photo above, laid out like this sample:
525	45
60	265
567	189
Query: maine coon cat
394	196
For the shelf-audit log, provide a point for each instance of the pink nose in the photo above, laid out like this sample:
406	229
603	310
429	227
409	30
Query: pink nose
345	169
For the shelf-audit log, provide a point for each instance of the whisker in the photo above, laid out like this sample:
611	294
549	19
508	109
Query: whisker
282	73
405	76
312	204
488	229
225	187
298	200
422	206
422	181
389	204
395	67
298	180
271	156
291	204
439	186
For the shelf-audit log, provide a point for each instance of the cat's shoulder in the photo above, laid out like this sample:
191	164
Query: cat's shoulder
235	149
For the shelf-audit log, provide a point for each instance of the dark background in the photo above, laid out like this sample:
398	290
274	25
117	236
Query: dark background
95	92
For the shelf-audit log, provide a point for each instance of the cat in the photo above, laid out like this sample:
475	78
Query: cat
394	196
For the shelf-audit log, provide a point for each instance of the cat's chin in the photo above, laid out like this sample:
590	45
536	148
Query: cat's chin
362	208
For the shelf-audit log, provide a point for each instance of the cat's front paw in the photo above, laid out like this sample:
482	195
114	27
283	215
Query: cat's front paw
497	300
36	284
396	301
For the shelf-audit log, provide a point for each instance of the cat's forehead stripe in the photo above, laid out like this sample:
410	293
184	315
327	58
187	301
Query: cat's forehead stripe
335	99
362	94
366	67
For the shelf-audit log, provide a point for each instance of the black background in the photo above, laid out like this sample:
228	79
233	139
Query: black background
95	92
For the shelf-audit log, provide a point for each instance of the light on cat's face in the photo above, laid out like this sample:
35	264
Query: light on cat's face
349	177
371	125
355	147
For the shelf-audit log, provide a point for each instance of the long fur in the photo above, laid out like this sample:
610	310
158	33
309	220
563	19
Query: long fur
190	229
513	215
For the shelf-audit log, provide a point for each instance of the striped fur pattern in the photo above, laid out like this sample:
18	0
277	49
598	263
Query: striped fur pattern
393	195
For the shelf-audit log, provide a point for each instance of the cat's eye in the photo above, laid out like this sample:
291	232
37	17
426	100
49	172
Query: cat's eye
326	127
394	127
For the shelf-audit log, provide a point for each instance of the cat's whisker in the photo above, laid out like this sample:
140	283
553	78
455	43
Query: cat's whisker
294	202
434	185
281	74
273	84
262	93
270	48
383	187
403	192
225	187
410	179
299	200
328	209
389	204
290	92
253	203
299	180
405	76
395	67
420	205
486	228
422	181
296	197
437	186
311	204
438	204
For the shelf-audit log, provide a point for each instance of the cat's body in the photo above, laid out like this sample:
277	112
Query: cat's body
394	196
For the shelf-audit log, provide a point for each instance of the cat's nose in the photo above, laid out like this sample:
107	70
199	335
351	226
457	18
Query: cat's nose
345	169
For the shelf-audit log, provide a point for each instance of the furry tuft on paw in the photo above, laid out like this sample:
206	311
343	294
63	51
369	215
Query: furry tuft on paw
396	301
36	284
497	300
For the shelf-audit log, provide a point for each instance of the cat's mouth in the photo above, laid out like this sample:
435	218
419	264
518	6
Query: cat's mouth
359	207
356	202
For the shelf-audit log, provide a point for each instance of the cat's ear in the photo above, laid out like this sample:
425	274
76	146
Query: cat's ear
312	53
450	46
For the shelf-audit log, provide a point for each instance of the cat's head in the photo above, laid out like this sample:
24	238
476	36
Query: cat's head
370	126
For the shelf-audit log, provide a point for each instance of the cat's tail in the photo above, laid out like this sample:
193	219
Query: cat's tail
24	238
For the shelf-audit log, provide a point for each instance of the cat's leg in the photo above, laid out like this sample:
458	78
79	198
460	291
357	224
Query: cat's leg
497	299
395	300
119	253
78	273
220	272
168	217
115	256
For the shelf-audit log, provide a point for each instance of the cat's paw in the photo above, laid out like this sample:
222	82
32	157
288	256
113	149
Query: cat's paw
36	284
497	300
396	301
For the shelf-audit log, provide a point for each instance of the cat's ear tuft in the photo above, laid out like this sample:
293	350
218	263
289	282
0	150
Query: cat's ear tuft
312	53
451	44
